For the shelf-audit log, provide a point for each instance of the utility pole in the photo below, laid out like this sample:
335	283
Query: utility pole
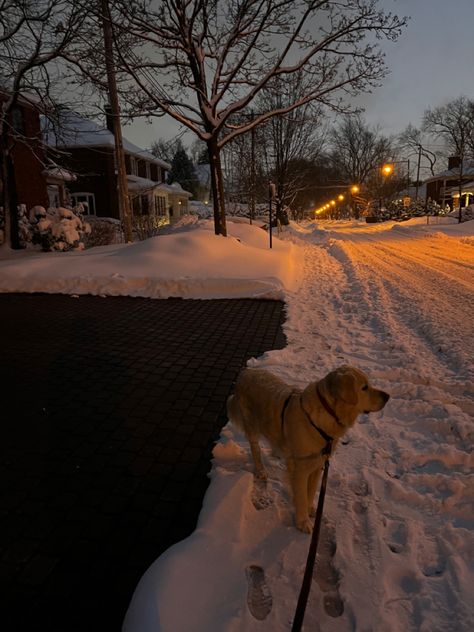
252	161
461	165
122	187
418	173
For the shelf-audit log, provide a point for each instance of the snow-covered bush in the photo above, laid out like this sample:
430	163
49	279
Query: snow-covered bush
146	226
105	231
467	213
58	228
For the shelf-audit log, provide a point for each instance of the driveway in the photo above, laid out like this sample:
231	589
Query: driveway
110	409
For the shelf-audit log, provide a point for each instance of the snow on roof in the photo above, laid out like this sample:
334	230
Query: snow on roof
175	189
136	183
468	170
77	131
59	173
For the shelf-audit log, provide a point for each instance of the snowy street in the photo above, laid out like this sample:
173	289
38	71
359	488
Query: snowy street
400	305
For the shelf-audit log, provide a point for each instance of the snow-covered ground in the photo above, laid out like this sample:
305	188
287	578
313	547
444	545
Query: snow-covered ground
397	545
190	261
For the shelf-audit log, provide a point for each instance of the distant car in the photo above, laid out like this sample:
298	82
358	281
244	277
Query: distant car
402	218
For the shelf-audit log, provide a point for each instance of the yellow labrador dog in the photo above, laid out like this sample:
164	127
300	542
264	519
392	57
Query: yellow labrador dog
300	425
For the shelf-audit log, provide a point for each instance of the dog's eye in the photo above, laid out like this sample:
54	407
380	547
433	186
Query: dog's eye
364	388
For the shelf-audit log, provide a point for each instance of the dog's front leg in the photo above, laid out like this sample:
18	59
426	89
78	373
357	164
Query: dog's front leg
260	471
313	480
299	484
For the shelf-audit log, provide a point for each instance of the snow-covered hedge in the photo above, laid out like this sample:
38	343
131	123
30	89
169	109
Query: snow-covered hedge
105	231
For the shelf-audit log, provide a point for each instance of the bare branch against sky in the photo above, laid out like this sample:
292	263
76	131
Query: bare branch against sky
201	62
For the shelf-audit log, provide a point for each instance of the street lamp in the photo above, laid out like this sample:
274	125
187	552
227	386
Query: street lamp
355	188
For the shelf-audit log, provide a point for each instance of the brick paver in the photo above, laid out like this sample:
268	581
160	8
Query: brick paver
113	408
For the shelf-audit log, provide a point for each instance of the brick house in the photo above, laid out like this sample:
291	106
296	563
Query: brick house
87	149
27	158
443	187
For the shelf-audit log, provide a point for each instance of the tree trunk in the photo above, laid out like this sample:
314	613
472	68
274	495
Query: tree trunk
217	185
10	235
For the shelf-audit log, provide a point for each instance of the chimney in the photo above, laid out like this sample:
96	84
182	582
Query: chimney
454	162
109	119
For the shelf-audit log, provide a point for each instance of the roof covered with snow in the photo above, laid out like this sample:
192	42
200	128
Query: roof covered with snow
77	131
447	174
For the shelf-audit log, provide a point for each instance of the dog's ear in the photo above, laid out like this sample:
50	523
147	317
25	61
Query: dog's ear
348	389
341	386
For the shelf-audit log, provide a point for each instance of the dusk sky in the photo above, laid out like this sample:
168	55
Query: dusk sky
431	63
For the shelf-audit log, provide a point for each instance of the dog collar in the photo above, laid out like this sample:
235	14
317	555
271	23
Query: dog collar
326	406
283	410
324	434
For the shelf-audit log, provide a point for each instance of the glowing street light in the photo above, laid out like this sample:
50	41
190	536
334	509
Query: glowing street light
387	170
355	189
340	198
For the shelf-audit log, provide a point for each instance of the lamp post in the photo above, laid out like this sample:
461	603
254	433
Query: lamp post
387	170
354	190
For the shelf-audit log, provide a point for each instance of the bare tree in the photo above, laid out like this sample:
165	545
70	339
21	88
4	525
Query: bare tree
293	138
412	139
33	35
454	124
203	61
358	150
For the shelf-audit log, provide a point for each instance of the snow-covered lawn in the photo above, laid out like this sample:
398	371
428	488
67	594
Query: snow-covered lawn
191	262
397	546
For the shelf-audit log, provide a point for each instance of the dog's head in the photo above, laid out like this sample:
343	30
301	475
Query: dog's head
348	390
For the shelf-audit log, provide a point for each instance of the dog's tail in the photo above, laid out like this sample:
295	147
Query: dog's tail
234	412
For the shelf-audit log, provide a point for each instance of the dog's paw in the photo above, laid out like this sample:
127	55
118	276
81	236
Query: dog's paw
305	525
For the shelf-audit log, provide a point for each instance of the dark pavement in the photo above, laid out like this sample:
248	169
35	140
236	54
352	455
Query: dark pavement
109	411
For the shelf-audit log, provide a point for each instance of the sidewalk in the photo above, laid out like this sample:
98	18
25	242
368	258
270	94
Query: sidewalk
103	462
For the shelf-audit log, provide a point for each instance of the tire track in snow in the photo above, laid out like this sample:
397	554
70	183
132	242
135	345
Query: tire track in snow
389	473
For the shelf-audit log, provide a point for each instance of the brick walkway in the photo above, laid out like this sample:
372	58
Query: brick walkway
114	405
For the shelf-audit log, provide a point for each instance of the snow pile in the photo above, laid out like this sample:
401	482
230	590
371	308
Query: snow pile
191	263
396	550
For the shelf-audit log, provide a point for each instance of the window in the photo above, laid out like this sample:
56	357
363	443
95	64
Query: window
160	205
133	166
87	199
148	170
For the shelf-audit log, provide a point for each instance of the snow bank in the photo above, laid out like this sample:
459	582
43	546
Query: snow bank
190	263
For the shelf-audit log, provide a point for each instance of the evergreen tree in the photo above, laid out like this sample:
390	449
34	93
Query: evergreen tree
182	170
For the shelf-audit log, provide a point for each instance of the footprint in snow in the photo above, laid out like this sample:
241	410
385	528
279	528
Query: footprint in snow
396	535
260	497
259	598
326	574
